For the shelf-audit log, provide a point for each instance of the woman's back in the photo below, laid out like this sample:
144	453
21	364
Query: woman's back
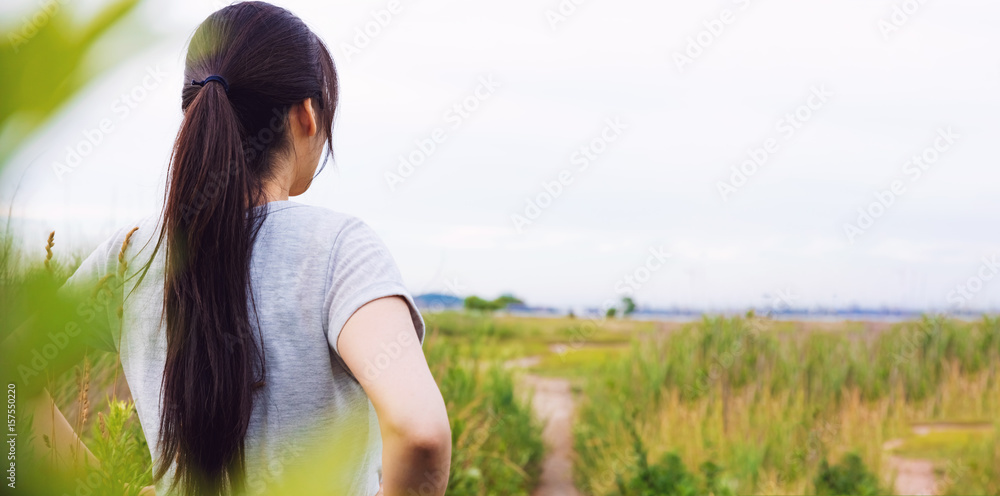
259	335
311	269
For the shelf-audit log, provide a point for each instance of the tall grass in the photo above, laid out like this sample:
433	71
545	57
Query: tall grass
980	474
497	446
769	406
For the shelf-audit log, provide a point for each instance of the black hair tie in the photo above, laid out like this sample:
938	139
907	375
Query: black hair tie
209	79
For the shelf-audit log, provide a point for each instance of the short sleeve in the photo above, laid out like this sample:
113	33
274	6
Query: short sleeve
361	270
96	293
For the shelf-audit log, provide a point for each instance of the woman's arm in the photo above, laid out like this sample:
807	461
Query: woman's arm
68	453
64	448
416	436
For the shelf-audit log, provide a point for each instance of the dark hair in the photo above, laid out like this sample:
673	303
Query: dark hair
224	152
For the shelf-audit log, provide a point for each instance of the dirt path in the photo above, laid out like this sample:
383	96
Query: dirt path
552	402
916	476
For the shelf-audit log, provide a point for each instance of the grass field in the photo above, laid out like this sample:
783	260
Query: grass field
720	406
770	408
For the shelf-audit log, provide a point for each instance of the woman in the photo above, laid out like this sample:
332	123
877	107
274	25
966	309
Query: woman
258	334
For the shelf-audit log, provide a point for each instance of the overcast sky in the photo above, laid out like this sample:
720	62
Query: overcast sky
638	116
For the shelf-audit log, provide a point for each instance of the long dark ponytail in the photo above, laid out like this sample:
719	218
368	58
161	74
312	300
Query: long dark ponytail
266	60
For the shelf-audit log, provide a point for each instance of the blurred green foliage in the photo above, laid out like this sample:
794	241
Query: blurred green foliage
669	477
476	303
628	305
119	443
496	444
47	57
848	477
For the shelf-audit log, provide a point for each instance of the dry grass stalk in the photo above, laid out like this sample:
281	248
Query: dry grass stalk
101	426
122	268
100	285
122	263
83	398
48	250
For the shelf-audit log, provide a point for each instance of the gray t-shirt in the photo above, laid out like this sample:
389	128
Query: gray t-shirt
311	269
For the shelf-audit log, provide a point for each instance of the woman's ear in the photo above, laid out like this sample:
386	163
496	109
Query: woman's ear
306	117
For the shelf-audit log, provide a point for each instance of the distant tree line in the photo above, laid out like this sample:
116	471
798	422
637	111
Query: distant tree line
483	305
478	304
628	308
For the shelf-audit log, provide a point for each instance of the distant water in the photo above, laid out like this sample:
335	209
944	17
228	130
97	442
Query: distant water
834	316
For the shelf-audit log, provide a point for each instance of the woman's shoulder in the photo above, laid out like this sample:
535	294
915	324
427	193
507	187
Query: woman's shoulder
294	208
123	241
298	231
317	220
